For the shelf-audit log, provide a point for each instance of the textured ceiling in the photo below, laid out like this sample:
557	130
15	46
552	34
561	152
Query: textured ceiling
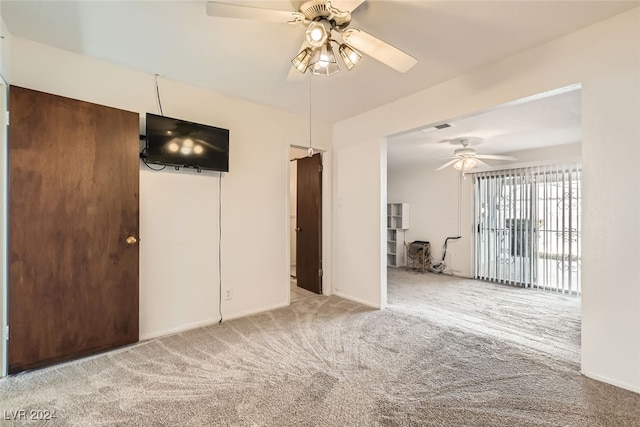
250	60
543	122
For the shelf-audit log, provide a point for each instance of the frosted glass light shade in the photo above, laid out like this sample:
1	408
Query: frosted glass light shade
465	164
316	34
302	60
349	55
324	62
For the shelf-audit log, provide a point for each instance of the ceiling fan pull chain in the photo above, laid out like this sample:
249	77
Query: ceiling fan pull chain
310	151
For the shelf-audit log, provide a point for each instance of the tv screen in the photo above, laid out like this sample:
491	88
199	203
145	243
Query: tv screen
180	143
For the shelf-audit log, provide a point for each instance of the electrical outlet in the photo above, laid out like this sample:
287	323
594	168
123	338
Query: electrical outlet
227	294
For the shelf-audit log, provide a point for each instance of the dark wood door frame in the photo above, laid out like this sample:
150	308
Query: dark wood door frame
309	271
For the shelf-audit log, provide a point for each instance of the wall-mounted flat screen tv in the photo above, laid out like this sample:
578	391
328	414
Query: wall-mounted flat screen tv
179	143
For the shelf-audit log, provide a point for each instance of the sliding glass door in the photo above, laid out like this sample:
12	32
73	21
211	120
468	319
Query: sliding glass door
528	227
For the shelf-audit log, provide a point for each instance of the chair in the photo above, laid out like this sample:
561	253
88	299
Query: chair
418	255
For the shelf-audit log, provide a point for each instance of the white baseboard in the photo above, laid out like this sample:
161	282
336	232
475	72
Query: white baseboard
358	300
602	378
206	322
178	329
252	312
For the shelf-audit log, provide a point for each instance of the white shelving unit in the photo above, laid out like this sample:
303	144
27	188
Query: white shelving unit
397	222
395	248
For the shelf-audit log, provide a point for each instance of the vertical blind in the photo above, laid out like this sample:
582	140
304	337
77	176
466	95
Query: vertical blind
527	225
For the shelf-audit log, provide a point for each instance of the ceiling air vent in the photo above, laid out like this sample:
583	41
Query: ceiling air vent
443	126
436	127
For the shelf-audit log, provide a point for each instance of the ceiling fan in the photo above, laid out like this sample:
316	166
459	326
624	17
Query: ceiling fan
323	20
466	158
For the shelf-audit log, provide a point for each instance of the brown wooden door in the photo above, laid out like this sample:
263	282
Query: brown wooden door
309	227
73	201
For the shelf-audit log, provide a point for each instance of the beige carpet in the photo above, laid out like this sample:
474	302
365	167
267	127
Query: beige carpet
447	352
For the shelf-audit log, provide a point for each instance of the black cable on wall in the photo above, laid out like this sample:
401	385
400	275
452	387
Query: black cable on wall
158	95
143	155
220	245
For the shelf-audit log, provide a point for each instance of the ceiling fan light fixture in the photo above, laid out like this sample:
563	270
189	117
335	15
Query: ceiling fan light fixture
349	55
324	62
302	60
316	34
321	18
465	164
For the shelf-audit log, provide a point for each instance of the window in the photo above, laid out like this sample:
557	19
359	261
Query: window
528	227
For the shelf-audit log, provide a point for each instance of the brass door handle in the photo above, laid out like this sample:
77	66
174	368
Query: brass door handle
131	240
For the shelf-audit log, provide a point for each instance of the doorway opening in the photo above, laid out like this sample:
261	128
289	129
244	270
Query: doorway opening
518	219
305	223
543	132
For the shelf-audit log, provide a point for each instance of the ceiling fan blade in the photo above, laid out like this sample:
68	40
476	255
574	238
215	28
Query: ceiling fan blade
346	5
228	10
494	157
377	49
446	165
481	163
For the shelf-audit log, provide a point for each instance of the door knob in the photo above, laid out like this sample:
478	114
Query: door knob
298	229
131	240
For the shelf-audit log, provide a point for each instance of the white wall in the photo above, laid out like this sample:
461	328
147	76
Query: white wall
179	210
359	234
5	50
293	214
433	202
433	207
605	59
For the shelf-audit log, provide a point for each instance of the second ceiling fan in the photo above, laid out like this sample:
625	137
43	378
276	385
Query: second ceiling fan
466	158
323	20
